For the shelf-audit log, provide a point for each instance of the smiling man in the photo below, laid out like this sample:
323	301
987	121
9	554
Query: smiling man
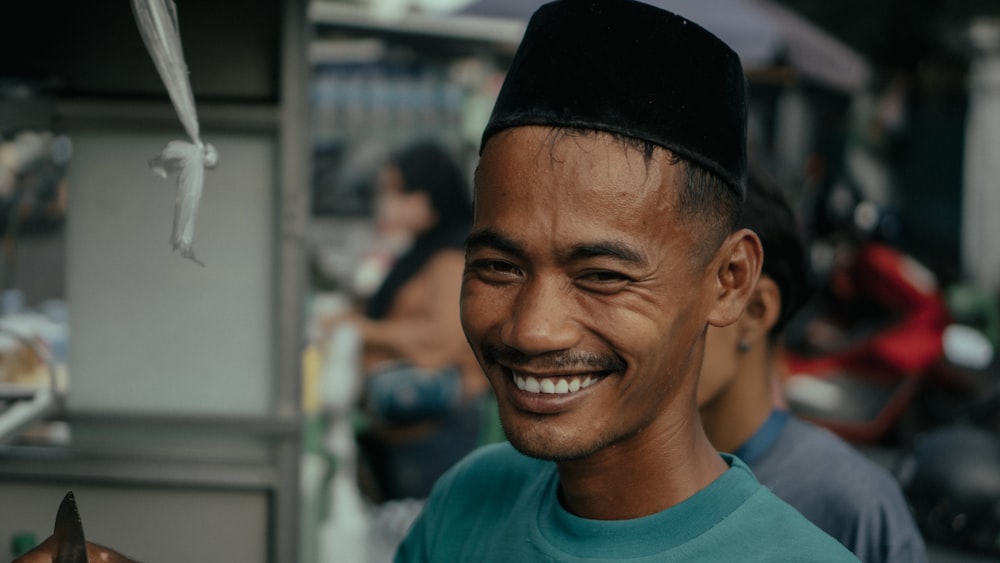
604	243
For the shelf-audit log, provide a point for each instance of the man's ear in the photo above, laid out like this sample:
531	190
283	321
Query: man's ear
762	310
737	271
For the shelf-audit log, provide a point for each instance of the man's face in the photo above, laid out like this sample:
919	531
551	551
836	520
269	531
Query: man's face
581	296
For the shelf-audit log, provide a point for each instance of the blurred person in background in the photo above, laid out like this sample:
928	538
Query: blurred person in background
835	486
423	389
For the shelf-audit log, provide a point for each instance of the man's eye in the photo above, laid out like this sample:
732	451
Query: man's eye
502	267
606	276
603	281
498	269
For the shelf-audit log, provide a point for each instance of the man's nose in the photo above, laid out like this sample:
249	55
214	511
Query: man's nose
543	318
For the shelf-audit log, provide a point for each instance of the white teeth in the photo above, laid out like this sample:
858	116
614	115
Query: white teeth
548	386
552	386
531	385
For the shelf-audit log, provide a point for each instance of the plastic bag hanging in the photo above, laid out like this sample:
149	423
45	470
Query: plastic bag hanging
158	25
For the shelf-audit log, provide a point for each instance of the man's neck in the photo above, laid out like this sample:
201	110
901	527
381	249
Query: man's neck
640	477
740	409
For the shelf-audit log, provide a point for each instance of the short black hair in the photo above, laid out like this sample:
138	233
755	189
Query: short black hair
704	197
768	213
707	197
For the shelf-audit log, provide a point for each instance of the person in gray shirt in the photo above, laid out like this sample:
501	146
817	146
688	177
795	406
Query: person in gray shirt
836	487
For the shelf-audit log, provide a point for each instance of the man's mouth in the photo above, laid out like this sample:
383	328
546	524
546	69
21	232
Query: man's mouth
553	385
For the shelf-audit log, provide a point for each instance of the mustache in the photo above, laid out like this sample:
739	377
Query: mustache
582	361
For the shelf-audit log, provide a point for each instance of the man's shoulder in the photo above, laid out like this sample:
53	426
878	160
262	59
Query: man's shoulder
491	483
765	528
841	490
828	458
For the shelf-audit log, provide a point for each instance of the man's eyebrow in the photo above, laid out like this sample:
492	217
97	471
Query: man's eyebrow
492	239
616	250
606	249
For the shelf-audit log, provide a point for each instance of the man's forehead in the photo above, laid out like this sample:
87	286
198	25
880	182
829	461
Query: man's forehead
549	142
576	161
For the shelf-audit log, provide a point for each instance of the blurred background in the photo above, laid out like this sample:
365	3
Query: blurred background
210	413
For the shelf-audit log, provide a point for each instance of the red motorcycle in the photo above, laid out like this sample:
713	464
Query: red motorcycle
857	355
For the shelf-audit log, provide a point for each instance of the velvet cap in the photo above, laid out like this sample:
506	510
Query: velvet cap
628	68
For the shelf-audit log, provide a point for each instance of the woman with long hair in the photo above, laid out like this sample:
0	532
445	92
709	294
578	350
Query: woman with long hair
424	388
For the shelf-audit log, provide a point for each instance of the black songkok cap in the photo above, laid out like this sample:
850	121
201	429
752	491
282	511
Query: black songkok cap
632	69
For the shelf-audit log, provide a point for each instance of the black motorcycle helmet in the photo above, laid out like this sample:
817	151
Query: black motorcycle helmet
951	478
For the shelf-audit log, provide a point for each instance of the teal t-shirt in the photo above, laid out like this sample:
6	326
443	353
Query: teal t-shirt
499	505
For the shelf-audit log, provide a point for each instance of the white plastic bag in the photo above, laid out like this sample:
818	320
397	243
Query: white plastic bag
157	21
